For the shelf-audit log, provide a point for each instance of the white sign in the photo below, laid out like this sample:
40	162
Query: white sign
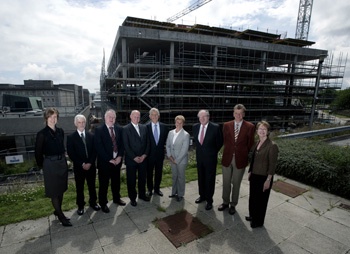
13	159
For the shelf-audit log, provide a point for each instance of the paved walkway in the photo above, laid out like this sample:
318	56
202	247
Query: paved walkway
310	223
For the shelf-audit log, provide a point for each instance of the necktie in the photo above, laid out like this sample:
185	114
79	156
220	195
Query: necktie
201	138
155	134
84	141
236	132
115	148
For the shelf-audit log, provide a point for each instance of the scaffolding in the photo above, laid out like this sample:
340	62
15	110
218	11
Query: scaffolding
181	69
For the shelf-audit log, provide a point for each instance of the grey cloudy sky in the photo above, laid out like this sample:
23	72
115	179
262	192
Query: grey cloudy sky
63	40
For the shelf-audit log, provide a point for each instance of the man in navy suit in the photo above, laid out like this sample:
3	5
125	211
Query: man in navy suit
208	140
137	146
110	152
158	133
81	150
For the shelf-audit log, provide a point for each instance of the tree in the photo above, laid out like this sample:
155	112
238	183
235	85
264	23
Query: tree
342	100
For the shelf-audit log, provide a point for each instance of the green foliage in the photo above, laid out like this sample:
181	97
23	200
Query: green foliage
19	168
342	100
318	164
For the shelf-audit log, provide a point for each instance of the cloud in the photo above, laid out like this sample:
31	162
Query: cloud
34	71
63	40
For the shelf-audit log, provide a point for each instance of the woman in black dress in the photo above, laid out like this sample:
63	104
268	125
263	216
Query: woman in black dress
50	156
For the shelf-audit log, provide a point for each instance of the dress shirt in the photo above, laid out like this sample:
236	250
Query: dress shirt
136	126
156	125
200	131
176	134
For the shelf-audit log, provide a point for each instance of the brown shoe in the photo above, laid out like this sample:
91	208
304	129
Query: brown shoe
222	207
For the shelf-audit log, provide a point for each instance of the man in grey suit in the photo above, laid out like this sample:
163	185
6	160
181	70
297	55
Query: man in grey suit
137	146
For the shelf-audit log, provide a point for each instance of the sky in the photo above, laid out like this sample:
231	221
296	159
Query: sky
64	40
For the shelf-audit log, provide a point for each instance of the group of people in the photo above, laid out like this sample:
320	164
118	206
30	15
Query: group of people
143	148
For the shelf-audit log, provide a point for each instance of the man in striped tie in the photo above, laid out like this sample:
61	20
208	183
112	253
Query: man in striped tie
238	139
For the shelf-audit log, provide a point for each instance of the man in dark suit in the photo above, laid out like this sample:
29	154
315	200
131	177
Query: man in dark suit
81	150
137	146
238	139
207	137
158	133
110	152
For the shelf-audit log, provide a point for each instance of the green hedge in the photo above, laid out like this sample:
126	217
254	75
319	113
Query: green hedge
316	163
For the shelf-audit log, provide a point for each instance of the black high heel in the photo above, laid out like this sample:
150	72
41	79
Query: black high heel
56	215
64	221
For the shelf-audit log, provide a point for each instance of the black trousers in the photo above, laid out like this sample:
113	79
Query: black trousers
138	172
157	165
80	175
206	181
105	174
258	198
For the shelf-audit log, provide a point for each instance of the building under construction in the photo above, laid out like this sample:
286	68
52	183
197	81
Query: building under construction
181	69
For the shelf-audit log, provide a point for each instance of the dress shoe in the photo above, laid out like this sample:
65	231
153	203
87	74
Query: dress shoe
179	199
145	198
199	200
105	209
254	225
208	206
248	218
96	207
232	210
120	202
80	211
64	221
56	215
222	207
172	196
133	203
159	193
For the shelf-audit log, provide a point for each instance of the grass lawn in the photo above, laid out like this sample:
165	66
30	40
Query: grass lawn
23	202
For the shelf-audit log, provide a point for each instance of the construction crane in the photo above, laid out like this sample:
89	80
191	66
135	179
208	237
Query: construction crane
304	19
193	7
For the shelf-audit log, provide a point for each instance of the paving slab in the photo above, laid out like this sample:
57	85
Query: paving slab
310	223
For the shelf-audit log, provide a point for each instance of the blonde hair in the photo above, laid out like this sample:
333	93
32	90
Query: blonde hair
180	117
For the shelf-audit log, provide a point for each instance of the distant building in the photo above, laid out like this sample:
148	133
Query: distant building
69	97
18	103
22	116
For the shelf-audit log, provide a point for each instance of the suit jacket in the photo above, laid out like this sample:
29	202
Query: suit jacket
104	144
265	160
76	149
241	147
157	152
135	144
212	143
178	150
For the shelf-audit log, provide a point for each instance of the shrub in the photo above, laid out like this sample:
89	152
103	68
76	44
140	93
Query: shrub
315	163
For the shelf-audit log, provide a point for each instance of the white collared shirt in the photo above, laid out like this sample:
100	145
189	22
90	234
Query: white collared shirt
200	131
